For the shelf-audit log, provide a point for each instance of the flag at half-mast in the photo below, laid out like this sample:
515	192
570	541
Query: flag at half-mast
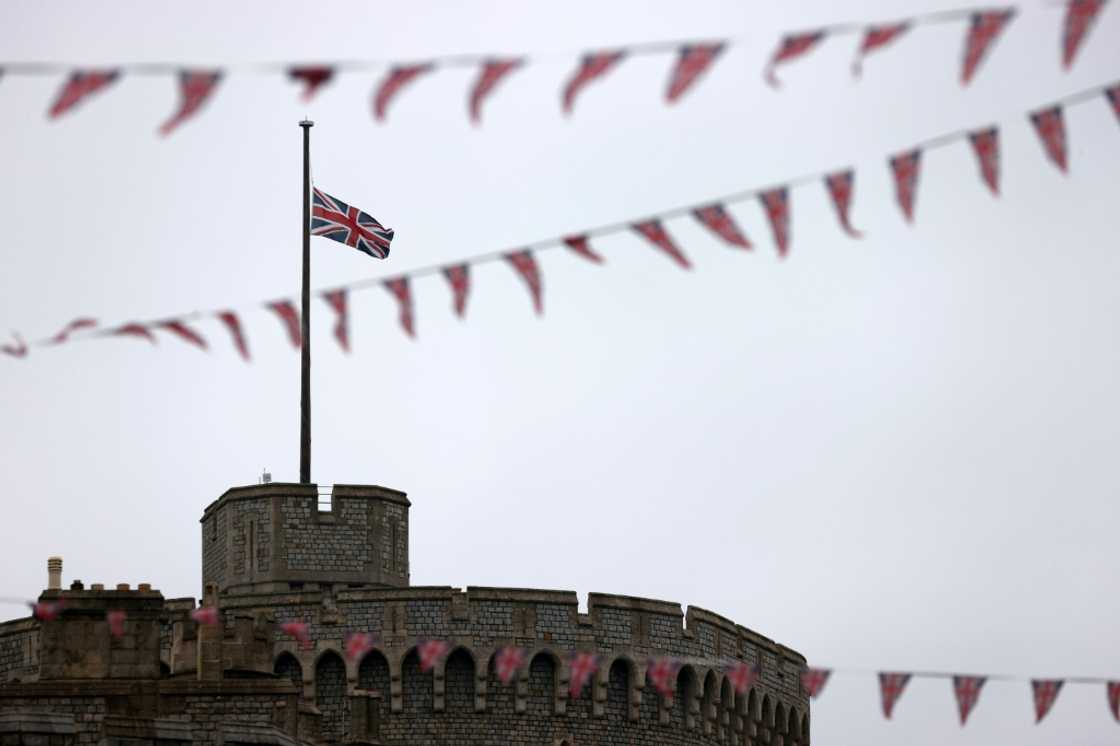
333	218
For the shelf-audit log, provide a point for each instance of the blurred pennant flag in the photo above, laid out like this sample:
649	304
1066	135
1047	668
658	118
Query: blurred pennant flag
116	619
337	300
1113	96
584	666
1051	129
289	316
592	67
983	29
357	645
717	219
492	73
1080	16
133	329
508	662
582	246
299	631
459	277
400	289
313	78
742	675
692	62
80	85
840	186
334	219
656	234
431	653
985	143
526	266
1045	694
877	37
73	326
206	615
967	691
46	611
662	674
791	47
393	82
814	679
891	686
775	203
905	168
1113	691
233	326
183	332
19	349
195	88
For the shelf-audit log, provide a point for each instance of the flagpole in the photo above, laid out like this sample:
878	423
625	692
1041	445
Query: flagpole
305	316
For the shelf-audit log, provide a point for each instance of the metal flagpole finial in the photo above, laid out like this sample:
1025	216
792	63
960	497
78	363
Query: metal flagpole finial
305	122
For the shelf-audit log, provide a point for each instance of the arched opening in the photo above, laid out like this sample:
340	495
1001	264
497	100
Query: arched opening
459	681
766	722
619	677
373	676
164	670
650	710
417	691
288	666
711	700
330	696
728	714
793	726
805	729
542	684
780	722
682	701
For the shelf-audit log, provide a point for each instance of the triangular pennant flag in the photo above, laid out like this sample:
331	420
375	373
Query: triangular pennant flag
526	266
791	47
656	234
393	82
877	37
336	299
742	675
508	661
289	316
905	168
840	186
1113	692
459	277
116	619
195	88
890	689
967	691
584	666
1080	15
208	616
19	349
582	246
431	653
776	204
300	631
183	332
1113	96
814	679
983	28
662	674
492	73
403	293
73	326
357	645
593	66
691	64
78	86
1051	130
313	78
233	325
134	329
717	219
985	143
46	611
334	219
1045	694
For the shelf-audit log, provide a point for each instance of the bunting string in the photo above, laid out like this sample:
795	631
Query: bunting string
775	202
198	84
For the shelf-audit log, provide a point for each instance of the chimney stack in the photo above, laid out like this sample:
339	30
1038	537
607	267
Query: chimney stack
54	573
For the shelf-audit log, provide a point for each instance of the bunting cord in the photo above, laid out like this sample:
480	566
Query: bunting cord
948	138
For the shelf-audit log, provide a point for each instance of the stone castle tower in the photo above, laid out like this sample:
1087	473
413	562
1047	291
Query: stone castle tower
277	553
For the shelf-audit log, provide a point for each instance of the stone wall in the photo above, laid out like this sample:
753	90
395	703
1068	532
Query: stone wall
19	650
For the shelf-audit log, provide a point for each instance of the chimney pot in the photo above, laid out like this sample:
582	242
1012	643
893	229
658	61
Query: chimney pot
122	586
54	573
97	587
146	587
77	586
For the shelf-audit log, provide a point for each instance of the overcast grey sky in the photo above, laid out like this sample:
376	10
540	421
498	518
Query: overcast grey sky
895	453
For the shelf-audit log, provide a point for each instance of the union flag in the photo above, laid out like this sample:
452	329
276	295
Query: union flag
508	662
1051	129
1080	16
584	665
334	219
1045	694
394	81
431	653
983	29
791	47
492	73
717	219
967	691
905	168
592	67
814	679
662	674
80	85
459	277
691	64
985	143
891	686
